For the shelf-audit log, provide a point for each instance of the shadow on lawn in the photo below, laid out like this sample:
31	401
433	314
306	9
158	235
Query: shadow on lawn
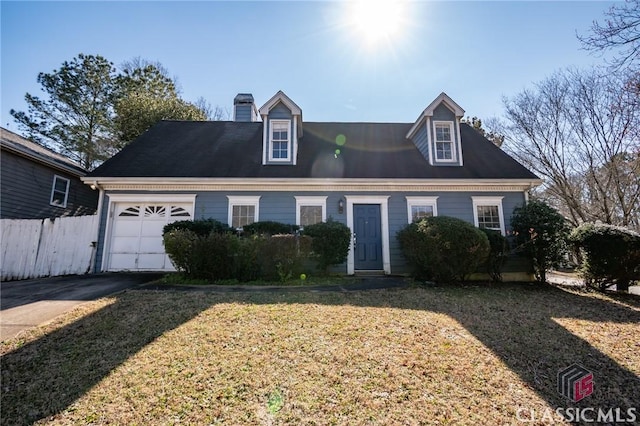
518	323
44	377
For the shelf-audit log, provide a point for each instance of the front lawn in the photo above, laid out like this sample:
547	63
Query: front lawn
444	355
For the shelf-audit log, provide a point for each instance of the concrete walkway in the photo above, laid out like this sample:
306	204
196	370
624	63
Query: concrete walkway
28	303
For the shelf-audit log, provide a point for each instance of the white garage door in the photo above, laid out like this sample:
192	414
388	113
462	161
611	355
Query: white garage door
136	235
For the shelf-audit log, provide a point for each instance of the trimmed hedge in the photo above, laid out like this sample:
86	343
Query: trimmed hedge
202	256
330	242
199	226
611	255
443	248
208	249
269	228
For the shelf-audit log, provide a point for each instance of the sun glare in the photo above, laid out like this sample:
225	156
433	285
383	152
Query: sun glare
377	20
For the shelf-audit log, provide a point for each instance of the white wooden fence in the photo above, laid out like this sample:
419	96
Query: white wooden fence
34	248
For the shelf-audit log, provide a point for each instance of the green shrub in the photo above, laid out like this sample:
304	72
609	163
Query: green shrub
443	248
284	256
202	256
498	253
199	226
541	234
330	242
178	244
248	258
611	255
269	228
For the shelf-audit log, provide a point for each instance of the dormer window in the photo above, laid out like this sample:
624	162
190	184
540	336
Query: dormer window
436	132
443	131
280	141
282	130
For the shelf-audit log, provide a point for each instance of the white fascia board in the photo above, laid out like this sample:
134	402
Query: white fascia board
152	198
311	184
280	97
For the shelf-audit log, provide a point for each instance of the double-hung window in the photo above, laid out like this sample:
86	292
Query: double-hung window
421	207
444	148
311	210
487	213
280	141
243	210
59	191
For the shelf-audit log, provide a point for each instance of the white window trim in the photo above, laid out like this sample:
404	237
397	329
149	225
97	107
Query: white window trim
421	201
488	201
383	201
243	200
311	201
53	190
289	141
454	150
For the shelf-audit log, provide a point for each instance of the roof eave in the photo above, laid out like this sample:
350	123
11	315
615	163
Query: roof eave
278	184
26	153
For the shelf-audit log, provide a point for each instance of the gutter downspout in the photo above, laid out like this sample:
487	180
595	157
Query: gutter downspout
93	268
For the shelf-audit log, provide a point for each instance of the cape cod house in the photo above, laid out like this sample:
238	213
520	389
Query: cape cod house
269	164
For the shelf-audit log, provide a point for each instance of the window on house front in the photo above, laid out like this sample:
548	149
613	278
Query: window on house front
444	141
243	210
487	213
280	141
421	207
310	210
310	215
59	191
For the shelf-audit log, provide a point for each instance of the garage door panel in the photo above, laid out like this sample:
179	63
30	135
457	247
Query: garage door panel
151	245
152	227
151	261
127	228
125	245
123	262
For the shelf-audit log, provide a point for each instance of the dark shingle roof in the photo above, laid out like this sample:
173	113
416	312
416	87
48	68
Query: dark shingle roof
26	148
234	150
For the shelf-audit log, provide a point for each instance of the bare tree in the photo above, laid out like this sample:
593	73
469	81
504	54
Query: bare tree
579	131
620	32
213	113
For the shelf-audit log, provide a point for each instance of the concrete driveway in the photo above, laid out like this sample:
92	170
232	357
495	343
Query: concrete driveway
28	303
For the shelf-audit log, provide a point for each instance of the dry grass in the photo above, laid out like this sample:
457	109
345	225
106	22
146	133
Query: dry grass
414	356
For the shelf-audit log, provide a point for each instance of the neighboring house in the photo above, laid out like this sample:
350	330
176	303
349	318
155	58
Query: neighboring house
374	177
38	183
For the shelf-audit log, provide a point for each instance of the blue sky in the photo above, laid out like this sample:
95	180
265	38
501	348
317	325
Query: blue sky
477	52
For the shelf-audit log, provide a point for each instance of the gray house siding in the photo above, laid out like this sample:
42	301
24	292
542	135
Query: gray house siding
421	141
26	191
281	207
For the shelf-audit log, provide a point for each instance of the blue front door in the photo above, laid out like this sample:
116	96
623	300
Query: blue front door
367	237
